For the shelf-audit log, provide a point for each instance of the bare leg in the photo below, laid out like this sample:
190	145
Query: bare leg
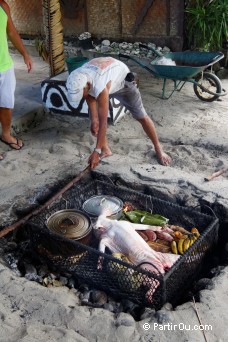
5	119
149	129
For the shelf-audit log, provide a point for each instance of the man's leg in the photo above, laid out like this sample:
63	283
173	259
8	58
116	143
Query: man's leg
7	86
5	120
149	129
130	97
106	151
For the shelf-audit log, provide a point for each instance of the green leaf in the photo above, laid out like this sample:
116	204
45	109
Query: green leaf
144	217
206	23
154	220
133	216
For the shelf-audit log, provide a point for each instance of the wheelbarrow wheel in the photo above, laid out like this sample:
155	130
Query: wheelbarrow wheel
211	83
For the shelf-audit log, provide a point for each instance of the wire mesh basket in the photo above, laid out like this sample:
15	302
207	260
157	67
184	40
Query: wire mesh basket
116	277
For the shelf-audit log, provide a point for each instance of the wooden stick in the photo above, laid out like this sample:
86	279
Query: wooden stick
19	223
216	174
197	314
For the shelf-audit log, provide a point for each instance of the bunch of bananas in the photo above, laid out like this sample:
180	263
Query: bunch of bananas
182	242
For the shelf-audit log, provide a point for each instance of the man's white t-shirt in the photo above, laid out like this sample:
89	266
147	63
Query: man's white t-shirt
101	70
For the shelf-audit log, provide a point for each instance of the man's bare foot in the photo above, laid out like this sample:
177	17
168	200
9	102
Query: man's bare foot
164	159
106	152
94	128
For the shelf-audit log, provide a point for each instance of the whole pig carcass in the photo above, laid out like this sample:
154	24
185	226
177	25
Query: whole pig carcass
121	237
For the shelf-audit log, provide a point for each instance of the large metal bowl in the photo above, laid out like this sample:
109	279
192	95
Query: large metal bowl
110	205
72	224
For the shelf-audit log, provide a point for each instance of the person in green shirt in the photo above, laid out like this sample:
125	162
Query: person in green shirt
7	76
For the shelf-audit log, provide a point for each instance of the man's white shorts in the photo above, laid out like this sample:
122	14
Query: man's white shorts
7	88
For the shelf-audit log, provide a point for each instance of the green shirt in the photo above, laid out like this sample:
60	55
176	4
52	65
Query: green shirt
6	61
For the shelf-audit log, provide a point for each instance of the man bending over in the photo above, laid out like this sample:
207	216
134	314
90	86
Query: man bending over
103	78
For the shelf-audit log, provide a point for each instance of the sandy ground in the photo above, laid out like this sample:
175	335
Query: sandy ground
192	132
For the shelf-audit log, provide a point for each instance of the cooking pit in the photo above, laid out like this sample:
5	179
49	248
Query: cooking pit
82	261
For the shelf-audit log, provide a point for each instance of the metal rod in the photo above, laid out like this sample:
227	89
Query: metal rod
19	223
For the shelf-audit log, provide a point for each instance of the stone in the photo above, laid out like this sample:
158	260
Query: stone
104	49
203	283
151	45
125	319
71	283
98	297
147	313
166	49
85	296
43	271
11	246
105	42
83	287
162	316
109	307
167	306
84	35
63	280
214	272
29	268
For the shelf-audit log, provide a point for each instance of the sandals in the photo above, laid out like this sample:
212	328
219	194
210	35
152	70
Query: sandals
11	144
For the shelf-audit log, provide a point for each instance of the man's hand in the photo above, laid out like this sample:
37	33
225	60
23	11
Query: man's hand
94	160
94	128
28	62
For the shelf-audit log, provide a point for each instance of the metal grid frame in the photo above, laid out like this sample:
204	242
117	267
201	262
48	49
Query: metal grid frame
120	279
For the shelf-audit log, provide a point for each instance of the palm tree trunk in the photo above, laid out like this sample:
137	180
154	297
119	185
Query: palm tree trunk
53	30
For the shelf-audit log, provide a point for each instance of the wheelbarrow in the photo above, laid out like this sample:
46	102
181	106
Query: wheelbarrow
190	67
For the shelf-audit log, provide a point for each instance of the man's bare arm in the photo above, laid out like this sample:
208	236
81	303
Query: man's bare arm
92	104
15	38
103	106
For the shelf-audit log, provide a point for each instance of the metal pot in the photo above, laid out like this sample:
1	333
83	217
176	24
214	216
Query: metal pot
96	205
72	224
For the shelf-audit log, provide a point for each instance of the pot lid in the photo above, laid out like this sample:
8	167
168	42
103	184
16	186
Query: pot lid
69	223
97	204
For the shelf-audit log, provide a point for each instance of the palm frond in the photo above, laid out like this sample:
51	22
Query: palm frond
54	35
